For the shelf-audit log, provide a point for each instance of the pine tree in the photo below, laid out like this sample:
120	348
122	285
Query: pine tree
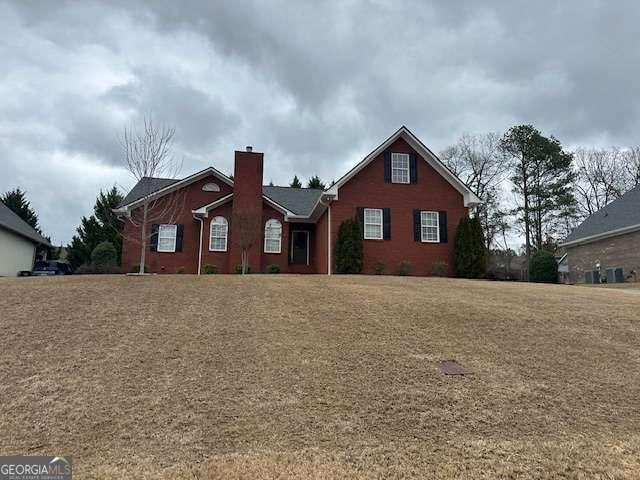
542	178
315	182
295	182
17	202
111	225
102	226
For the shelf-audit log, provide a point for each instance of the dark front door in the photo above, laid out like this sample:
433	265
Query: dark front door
299	247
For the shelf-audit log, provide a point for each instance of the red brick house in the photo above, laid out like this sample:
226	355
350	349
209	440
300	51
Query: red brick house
407	201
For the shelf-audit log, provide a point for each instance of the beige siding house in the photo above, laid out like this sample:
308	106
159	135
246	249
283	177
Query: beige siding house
606	246
18	241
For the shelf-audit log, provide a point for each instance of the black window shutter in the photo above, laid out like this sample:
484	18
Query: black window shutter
442	221
417	230
413	168
386	223
387	167
361	219
179	237
153	243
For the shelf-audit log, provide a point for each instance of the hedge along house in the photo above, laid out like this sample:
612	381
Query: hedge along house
606	246
408	204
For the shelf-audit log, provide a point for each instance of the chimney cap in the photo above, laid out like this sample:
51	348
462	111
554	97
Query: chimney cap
249	148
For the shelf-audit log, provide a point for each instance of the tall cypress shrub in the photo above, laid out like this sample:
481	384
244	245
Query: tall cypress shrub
349	248
462	253
479	260
469	249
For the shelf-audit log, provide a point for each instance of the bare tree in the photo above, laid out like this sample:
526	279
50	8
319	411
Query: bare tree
246	233
630	158
600	178
147	152
479	162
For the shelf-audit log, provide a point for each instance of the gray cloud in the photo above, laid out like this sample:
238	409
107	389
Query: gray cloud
313	86
200	119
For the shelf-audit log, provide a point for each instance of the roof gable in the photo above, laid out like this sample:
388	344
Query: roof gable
403	132
618	217
11	221
146	186
157	187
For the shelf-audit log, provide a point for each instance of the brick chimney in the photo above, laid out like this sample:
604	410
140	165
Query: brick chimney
247	206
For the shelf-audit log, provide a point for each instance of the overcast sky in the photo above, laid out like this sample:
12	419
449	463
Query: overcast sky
314	88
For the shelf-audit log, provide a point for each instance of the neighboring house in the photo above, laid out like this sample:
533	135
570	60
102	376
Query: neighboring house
18	241
606	246
408	204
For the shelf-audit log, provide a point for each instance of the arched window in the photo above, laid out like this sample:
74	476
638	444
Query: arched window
219	234
272	236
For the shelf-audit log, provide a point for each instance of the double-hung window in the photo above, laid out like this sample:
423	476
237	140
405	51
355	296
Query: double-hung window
219	234
373	224
272	236
400	168
430	227
167	238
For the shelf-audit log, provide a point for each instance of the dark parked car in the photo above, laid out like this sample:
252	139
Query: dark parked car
50	267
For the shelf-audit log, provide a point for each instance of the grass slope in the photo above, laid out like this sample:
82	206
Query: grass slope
312	377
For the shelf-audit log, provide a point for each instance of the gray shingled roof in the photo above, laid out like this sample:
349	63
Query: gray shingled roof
145	186
621	213
13	222
297	200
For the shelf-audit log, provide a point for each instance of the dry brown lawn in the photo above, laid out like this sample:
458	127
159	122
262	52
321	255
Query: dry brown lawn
181	377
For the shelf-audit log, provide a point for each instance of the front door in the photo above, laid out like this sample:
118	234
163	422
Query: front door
299	247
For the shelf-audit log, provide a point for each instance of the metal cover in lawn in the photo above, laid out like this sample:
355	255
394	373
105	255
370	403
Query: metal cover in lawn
451	367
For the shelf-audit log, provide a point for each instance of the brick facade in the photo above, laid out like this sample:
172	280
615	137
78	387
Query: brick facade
159	262
614	252
431	192
367	189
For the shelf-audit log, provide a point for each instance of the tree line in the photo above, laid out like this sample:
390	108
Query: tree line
313	182
551	189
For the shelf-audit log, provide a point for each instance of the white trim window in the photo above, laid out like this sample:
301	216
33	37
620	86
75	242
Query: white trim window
430	227
218	235
373	224
400	168
167	238
272	236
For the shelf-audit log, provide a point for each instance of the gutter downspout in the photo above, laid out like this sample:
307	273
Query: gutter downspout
328	235
200	243
329	243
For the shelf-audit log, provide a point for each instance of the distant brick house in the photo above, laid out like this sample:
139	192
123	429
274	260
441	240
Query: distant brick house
408	203
606	246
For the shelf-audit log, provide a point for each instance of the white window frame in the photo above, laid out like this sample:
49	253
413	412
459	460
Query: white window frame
365	223
163	234
269	226
424	226
218	221
400	170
